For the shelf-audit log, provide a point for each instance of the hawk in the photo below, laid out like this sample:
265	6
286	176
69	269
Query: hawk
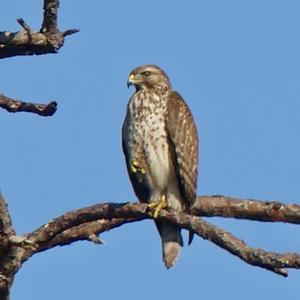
160	143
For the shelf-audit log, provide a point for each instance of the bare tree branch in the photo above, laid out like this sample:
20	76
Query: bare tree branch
12	105
248	209
6	231
29	42
271	261
6	228
87	223
50	16
118	214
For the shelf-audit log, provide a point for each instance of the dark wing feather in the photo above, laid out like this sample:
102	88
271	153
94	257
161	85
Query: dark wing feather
183	138
139	183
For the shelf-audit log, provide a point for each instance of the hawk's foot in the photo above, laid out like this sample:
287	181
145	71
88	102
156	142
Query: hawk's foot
135	167
158	206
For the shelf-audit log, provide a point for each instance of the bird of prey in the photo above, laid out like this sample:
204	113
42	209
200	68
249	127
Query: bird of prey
160	143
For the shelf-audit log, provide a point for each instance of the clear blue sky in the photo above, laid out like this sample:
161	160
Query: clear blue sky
235	62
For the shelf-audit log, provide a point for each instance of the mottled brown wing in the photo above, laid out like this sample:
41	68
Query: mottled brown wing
183	138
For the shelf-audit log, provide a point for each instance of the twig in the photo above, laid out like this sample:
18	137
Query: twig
69	32
13	106
25	26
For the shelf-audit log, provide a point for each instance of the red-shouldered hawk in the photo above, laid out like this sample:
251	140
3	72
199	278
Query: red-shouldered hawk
160	144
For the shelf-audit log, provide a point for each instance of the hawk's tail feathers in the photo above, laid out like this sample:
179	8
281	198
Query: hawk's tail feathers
171	242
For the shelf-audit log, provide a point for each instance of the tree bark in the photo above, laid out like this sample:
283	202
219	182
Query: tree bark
12	105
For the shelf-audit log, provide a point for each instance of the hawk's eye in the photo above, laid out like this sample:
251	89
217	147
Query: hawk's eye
146	73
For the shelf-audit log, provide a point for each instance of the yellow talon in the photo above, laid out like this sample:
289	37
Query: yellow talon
158	206
135	167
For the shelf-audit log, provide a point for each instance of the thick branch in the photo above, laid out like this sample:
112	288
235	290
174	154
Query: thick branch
229	207
6	231
133	212
87	223
30	42
12	105
50	16
6	228
76	225
124	213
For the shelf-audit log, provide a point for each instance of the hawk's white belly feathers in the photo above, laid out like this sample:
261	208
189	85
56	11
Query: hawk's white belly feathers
148	124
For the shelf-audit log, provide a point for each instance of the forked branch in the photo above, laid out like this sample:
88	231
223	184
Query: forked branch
29	42
87	223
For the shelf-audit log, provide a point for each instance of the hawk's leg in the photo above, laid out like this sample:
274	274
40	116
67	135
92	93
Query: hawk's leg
158	206
136	167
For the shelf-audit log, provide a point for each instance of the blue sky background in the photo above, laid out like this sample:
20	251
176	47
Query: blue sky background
235	62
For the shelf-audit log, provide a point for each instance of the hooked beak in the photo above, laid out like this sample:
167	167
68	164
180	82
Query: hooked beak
130	80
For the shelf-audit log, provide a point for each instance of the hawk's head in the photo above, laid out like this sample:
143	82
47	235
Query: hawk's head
149	77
